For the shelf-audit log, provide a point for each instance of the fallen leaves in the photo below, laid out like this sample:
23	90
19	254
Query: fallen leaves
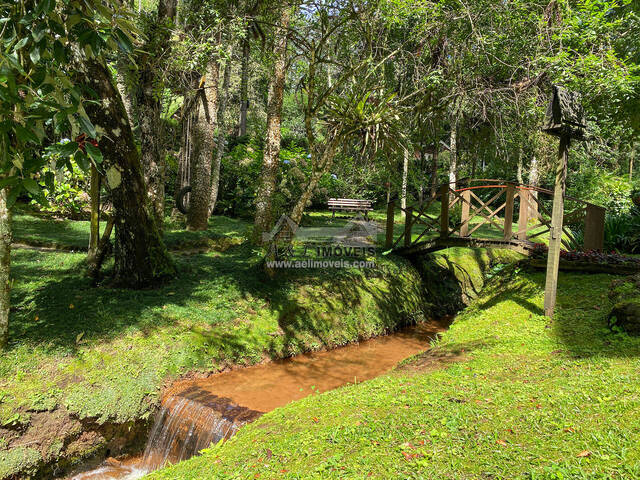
584	454
501	442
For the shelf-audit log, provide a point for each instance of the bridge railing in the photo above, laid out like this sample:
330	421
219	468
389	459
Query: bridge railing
499	212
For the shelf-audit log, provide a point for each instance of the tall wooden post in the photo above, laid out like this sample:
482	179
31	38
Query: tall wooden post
408	225
444	211
523	216
555	234
390	220
508	212
464	219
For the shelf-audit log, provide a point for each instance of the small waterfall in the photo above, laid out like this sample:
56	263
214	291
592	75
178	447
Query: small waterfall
188	423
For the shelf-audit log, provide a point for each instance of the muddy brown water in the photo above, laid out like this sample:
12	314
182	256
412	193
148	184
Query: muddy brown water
196	413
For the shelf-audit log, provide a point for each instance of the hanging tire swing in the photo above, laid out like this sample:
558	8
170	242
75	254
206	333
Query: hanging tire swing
182	204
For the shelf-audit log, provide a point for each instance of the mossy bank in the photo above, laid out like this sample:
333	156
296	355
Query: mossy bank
86	366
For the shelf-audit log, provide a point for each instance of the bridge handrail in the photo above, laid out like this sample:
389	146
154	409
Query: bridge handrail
593	215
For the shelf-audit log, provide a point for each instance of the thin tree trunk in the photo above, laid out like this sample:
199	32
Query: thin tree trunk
94	231
244	85
519	172
533	181
632	156
316	175
205	138
434	170
405	178
5	267
270	160
141	258
453	145
215	171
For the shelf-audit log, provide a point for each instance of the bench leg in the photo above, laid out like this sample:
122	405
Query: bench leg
333	215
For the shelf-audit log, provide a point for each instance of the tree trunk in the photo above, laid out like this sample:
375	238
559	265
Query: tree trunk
434	170
5	267
453	144
94	231
519	172
205	137
533	181
405	178
244	85
632	156
316	175
141	258
215	172
150	105
270	160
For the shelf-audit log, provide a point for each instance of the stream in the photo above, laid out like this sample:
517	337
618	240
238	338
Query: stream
196	413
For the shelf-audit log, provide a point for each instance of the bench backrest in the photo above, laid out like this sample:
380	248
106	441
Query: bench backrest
349	202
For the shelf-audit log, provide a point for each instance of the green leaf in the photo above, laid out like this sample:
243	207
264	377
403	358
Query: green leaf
123	41
31	186
82	161
34	54
26	135
21	43
94	153
68	149
86	126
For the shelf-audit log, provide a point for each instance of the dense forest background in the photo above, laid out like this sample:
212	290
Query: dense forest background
257	108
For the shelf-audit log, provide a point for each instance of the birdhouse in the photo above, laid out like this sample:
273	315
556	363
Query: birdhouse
565	115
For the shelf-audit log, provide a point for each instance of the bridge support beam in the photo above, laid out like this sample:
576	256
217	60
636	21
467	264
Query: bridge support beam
508	212
523	216
466	207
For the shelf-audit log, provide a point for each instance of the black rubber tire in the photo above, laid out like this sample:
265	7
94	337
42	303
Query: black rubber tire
180	203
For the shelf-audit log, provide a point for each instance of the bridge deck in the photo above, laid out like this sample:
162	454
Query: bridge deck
523	247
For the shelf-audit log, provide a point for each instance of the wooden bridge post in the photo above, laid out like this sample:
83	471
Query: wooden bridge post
508	212
523	217
444	211
464	219
390	221
408	225
594	228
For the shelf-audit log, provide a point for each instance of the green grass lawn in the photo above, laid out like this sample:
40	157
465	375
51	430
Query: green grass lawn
526	398
74	234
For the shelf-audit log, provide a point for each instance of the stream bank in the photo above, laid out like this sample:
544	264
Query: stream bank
300	313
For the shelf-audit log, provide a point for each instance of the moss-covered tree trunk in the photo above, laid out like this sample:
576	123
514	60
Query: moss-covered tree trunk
141	258
205	137
270	160
5	267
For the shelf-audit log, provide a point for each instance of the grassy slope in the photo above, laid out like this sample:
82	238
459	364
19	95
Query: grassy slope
105	353
531	398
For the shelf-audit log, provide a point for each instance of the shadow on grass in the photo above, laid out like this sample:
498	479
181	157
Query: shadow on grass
580	322
55	306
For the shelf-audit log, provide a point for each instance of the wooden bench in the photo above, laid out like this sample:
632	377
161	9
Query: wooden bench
350	205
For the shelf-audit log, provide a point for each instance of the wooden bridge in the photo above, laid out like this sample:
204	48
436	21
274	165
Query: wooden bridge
492	213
